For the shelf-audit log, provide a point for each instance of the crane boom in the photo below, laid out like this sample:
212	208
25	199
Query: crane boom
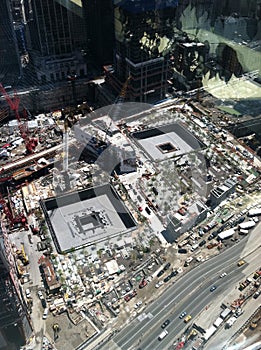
117	106
13	102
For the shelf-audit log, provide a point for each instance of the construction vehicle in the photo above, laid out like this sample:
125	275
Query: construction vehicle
20	267
30	142
56	330
22	256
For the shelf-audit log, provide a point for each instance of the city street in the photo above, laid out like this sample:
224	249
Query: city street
191	294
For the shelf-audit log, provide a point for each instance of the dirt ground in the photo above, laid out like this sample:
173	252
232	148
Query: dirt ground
250	335
70	336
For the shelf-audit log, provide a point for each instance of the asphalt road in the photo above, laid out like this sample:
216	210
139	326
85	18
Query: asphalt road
190	293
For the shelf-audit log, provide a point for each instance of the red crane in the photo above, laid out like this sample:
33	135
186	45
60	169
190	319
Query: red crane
13	102
20	218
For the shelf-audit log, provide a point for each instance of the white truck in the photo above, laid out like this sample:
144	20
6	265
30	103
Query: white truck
247	225
163	334
230	322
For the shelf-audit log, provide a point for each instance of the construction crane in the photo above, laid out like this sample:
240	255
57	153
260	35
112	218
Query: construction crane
116	107
11	217
13	102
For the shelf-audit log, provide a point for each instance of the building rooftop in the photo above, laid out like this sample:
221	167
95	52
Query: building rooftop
85	217
49	273
167	141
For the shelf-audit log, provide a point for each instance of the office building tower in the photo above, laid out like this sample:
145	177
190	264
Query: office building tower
143	37
100	30
55	45
10	66
15	326
20	19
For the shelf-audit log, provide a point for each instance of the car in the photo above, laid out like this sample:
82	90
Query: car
241	263
160	273
215	233
223	275
140	208
166	279
173	273
165	323
179	270
143	284
41	246
187	319
256	294
45	313
183	314
159	284
40	294
148	210
202	243
166	267
220	229
138	304
28	293
213	288
182	251
44	304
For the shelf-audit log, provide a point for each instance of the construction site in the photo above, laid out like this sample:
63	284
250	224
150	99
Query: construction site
86	199
86	217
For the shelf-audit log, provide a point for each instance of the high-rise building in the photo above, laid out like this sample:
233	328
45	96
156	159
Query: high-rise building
20	19
15	323
100	30
143	37
56	44
10	65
